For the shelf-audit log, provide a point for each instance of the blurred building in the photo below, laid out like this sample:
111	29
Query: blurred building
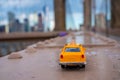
7	28
33	19
109	23
11	20
14	24
18	27
46	18
26	25
100	21
81	27
40	23
34	28
2	28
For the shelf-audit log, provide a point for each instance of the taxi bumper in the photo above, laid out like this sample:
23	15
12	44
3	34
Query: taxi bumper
72	63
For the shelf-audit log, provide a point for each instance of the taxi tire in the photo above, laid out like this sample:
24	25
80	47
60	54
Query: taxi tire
63	66
83	66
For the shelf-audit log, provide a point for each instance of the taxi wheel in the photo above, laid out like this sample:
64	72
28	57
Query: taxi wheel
83	66
63	66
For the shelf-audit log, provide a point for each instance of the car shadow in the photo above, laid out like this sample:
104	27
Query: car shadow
73	68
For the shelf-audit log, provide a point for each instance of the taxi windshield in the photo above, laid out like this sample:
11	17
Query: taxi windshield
72	50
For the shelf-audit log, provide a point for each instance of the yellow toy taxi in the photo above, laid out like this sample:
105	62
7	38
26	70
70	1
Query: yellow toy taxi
72	54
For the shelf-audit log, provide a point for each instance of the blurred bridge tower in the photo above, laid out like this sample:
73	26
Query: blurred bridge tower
59	7
115	14
87	14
